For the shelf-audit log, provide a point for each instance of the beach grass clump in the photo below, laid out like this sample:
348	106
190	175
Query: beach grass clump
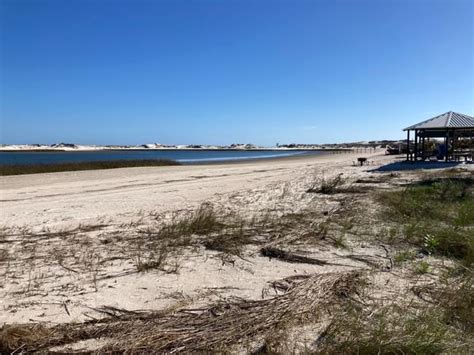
338	185
327	186
208	227
227	233
422	267
181	226
151	258
155	246
393	329
445	324
456	299
232	239
202	221
403	256
78	166
442	199
435	215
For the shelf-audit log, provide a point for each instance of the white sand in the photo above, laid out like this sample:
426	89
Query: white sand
120	194
36	288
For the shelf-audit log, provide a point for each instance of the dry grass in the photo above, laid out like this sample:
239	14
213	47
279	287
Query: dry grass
442	325
232	240
230	233
327	185
147	259
390	330
16	337
454	299
202	221
340	185
156	245
217	327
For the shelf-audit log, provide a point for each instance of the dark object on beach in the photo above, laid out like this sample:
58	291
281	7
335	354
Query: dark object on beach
400	148
86	165
392	150
362	160
280	254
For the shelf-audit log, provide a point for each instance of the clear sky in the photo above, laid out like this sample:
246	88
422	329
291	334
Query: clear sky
228	71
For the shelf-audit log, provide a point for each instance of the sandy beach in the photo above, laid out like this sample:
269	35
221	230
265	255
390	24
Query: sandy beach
118	195
244	177
76	243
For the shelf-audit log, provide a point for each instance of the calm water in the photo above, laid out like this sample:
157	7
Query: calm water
183	156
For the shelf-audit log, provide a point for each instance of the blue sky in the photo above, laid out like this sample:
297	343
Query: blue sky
221	72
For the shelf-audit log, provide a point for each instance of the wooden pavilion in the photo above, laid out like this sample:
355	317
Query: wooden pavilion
452	128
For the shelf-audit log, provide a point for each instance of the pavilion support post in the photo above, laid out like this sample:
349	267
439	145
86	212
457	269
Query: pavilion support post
408	145
428	142
416	144
423	155
446	150
452	146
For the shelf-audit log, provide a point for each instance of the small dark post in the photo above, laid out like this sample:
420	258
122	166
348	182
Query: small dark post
446	150
423	155
452	145
416	144
408	145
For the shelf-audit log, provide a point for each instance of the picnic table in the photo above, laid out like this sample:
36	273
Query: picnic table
362	161
466	154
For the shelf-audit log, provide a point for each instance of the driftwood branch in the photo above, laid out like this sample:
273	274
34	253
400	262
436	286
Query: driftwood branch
280	254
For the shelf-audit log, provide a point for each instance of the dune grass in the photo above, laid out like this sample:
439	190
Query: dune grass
444	325
77	166
435	215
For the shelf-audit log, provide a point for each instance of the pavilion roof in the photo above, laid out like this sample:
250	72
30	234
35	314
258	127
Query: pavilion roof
446	120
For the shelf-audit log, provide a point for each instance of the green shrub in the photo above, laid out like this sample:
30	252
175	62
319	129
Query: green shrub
422	267
403	256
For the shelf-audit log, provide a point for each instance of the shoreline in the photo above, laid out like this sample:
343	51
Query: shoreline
270	159
47	168
70	197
